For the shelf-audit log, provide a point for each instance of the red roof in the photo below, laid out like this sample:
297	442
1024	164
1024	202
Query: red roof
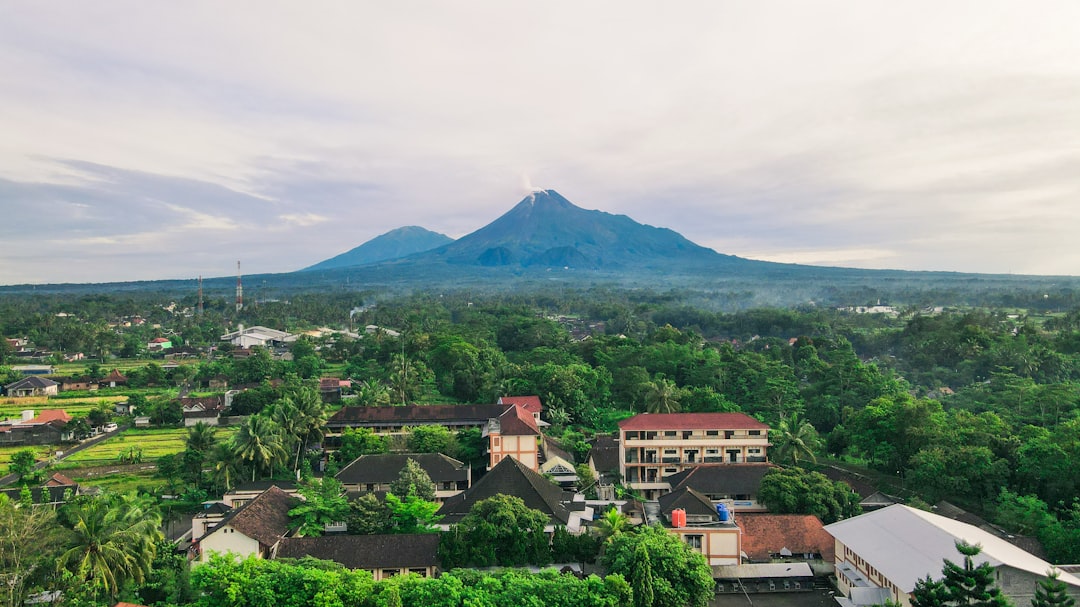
531	403
692	421
158	340
59	480
767	534
50	415
516	421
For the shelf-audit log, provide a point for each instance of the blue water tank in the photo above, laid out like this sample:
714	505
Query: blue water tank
722	512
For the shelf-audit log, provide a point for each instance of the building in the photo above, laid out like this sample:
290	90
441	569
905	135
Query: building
256	528
514	433
374	473
47	428
32	385
603	461
785	537
653	446
709	529
512	477
114	379
258	336
383	555
737	486
206	409
881	555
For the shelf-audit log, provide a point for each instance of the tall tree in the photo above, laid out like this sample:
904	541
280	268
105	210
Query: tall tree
413	481
323	503
1052	592
680	574
966	585
641	578
258	443
794	439
662	396
112	540
28	546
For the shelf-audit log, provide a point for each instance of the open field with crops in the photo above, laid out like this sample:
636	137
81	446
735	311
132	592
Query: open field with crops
150	443
5	455
13	407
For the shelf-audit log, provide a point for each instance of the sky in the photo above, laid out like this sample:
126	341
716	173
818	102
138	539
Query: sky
151	140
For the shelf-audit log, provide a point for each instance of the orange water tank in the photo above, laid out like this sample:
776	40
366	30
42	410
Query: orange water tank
678	518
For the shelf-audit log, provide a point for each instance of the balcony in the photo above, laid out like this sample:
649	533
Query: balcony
670	460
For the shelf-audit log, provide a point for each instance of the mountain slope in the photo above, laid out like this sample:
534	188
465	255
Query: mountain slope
394	244
547	230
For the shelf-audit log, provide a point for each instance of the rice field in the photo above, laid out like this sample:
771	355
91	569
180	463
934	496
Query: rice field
153	443
13	407
5	455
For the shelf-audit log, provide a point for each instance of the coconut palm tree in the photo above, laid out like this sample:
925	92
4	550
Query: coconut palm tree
611	523
259	444
302	417
662	396
201	437
794	439
111	540
224	469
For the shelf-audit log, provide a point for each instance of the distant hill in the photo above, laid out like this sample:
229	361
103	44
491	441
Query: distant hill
548	231
394	244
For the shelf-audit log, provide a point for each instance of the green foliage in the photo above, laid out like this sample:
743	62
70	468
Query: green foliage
499	530
431	439
323	503
413	481
798	491
658	563
1052	592
794	439
22	463
360	441
29	544
368	516
966	585
222	582
411	514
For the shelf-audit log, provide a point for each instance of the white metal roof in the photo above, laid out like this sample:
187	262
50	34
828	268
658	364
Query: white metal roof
906	544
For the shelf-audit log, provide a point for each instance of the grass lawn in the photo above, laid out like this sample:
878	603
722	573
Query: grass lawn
154	442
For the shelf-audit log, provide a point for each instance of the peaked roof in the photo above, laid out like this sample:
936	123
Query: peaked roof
59	480
32	381
725	479
531	403
115	375
516	421
416	414
605	454
906	544
50	415
265	518
686	498
552	448
767	534
366	551
511	477
386	467
692	421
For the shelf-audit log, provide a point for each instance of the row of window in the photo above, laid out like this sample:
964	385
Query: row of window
689	434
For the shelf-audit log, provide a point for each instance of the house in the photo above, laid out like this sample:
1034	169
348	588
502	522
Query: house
881	555
560	471
763	578
330	389
32	386
383	555
32	369
735	485
785	537
374	473
158	344
258	336
256	528
510	429
709	529
603	461
204	409
55	491
113	380
512	477
242	494
653	446
211	514
530	403
78	383
48	428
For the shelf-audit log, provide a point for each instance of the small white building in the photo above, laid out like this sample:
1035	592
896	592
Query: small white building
253	529
258	336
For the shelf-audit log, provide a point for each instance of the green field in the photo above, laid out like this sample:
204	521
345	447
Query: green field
154	442
13	407
5	455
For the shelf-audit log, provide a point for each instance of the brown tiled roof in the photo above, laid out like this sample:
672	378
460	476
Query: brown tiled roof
511	477
692	421
114	375
59	480
366	551
51	415
765	534
722	479
416	414
531	403
553	448
516	421
265	518
386	467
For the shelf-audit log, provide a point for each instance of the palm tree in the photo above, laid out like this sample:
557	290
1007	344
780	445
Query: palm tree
259	444
611	523
662	396
112	540
793	439
223	467
302	417
201	437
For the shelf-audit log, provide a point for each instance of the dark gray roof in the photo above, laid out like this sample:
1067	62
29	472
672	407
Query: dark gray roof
686	498
386	467
605	454
722	479
366	551
511	477
264	485
411	415
32	381
42	495
553	448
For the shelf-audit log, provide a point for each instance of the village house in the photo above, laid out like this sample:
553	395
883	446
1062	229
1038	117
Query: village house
114	379
383	555
374	473
258	336
47	428
881	555
205	409
254	529
32	386
654	446
707	528
736	486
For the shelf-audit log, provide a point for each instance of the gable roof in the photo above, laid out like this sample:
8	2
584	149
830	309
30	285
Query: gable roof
511	477
686	498
35	382
50	415
767	534
531	403
553	449
366	551
386	467
516	421
115	376
692	421
906	544
59	480
265	518
722	479
605	454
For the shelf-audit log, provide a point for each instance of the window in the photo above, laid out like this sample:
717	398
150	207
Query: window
755	433
419	572
370	486
669	433
631	435
712	433
694	541
754	450
496	441
670	452
670	471
712	451
390	572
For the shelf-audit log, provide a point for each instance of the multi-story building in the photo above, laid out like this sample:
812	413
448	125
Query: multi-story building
653	446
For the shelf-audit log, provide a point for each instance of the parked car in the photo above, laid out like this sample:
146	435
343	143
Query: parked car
110	427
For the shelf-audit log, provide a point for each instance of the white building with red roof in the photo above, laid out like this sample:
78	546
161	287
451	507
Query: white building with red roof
654	446
514	434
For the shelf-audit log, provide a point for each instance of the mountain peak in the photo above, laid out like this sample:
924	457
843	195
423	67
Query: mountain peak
397	243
